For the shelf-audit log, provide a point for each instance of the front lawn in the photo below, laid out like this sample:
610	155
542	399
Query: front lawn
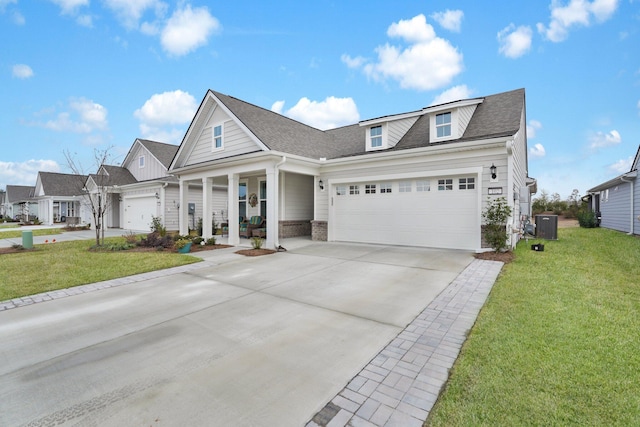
12	234
557	341
66	264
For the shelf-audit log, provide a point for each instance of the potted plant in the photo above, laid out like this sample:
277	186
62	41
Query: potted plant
183	245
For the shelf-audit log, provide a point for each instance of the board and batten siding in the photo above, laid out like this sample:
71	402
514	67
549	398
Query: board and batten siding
616	207
235	140
152	167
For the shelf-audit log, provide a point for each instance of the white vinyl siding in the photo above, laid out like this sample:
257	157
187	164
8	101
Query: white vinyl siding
397	129
464	117
298	197
152	168
616	209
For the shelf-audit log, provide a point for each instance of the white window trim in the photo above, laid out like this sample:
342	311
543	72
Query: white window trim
213	137
141	162
433	132
384	136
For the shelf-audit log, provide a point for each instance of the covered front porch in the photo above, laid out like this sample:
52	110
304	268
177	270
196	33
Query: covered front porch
280	191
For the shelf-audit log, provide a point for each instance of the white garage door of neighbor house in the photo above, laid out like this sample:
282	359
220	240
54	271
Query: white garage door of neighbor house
138	212
429	212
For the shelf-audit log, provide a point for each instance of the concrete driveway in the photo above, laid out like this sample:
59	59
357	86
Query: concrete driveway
263	341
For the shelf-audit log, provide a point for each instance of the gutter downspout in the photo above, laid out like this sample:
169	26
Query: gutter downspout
630	233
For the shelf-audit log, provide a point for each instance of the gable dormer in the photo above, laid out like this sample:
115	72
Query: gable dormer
449	121
385	132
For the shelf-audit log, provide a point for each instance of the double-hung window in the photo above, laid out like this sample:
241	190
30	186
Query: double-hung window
376	136
443	125
217	138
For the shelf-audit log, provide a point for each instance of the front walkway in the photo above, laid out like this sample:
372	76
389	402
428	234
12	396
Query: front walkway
401	384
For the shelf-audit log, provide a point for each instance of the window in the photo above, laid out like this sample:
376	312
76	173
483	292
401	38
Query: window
341	190
376	136
217	137
443	125
141	162
354	189
445	184
467	183
423	185
263	199
370	189
404	187
242	199
385	187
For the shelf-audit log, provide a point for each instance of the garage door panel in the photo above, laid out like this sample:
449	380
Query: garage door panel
446	219
139	212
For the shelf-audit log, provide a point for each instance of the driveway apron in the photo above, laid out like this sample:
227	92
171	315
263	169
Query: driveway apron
259	341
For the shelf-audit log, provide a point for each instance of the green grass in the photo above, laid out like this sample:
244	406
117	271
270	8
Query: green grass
12	234
557	342
66	264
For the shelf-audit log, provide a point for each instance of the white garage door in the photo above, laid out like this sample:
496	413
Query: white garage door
138	212
437	212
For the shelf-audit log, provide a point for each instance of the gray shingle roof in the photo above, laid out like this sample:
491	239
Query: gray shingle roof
16	193
162	151
498	115
116	175
62	184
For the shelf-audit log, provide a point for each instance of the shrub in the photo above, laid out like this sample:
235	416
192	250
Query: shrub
256	242
157	227
495	216
197	240
130	237
181	243
155	240
211	241
587	219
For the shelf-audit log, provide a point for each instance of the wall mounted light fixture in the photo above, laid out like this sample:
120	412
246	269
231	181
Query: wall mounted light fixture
157	196
321	185
494	171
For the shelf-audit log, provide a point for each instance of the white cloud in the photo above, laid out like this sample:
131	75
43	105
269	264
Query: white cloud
129	12
514	42
84	116
25	173
356	62
449	19
575	13
532	128
4	3
427	63
537	151
602	140
622	165
18	18
85	21
162	112
187	30
455	93
22	71
70	6
330	113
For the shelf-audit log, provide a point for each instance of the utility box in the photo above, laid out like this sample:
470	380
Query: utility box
27	239
547	227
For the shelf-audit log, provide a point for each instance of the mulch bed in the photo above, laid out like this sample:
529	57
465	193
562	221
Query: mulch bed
256	252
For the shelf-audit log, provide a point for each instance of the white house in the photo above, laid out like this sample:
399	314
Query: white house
420	178
141	188
19	202
61	198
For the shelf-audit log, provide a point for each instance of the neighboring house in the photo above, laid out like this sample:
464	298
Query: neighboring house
420	178
141	189
61	198
3	198
617	201
20	204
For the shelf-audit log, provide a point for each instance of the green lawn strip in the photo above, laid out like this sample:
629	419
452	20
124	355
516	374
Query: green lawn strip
12	234
557	341
66	264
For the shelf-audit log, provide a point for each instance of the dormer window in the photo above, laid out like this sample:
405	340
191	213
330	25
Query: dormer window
443	125
376	136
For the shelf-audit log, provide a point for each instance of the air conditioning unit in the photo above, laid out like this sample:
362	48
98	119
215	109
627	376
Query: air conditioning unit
547	227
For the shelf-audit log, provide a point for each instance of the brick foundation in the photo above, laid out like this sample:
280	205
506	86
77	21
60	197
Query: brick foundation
294	228
319	230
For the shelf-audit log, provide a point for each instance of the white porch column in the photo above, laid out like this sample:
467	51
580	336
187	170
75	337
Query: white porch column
183	210
273	239
232	214
207	185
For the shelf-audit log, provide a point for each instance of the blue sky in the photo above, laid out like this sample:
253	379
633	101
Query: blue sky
81	75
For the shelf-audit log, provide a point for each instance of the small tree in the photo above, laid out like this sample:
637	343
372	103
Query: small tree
495	216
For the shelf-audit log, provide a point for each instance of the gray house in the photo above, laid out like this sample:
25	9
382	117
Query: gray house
617	201
417	178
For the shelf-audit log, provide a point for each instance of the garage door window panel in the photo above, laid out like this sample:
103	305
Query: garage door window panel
467	183
370	189
423	186
354	190
385	188
404	187
445	184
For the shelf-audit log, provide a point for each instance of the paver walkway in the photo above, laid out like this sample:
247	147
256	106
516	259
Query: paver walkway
401	384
